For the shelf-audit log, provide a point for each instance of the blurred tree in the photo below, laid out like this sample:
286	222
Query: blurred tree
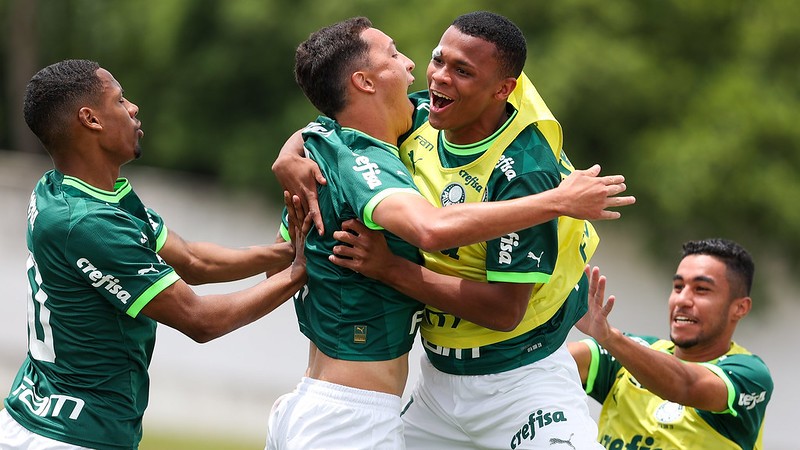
20	51
695	102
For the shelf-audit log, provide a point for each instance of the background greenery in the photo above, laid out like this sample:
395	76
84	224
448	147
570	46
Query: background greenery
696	103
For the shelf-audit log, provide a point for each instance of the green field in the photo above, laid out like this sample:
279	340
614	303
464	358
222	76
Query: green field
158	440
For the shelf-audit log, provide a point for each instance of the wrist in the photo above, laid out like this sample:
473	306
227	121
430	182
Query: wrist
556	203
610	339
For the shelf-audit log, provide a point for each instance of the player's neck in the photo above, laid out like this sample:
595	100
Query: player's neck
94	173
368	122
484	126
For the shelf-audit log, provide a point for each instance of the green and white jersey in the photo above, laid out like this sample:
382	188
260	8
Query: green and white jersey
514	162
92	267
347	315
633	417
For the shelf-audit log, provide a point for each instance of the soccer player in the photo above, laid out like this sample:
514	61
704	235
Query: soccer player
499	372
699	389
103	270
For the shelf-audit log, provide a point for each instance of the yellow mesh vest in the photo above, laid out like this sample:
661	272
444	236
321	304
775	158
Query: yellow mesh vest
637	414
577	239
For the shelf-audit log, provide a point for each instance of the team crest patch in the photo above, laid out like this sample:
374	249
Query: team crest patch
360	334
669	412
452	194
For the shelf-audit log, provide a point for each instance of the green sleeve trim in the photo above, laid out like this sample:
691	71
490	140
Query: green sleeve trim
518	277
731	390
161	239
285	233
594	364
166	281
379	197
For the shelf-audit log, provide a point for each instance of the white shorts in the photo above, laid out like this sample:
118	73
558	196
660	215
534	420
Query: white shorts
15	436
532	407
327	416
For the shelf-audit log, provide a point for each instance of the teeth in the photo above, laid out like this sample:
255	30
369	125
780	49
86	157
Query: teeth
683	320
441	95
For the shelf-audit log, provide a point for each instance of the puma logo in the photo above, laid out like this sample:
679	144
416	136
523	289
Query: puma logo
554	441
538	259
147	270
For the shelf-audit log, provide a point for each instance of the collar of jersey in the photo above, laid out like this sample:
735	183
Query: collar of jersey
121	188
391	147
477	147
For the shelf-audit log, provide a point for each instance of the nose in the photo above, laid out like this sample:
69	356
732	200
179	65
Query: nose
682	298
409	63
437	74
133	110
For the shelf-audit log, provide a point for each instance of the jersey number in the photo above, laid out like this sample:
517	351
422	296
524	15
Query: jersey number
40	334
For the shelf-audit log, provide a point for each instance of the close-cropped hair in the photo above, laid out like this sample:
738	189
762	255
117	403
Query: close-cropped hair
500	31
55	92
324	62
738	262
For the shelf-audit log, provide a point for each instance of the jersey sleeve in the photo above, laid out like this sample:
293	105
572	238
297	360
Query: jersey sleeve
118	259
603	367
529	255
749	385
370	174
159	228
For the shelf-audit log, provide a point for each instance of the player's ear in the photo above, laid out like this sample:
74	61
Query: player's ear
89	119
362	82
506	88
741	307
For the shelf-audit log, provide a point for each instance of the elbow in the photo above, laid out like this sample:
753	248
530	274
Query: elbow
202	333
192	272
508	322
199	329
432	238
509	317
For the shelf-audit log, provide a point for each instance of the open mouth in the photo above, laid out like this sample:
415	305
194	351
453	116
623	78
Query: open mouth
440	101
683	320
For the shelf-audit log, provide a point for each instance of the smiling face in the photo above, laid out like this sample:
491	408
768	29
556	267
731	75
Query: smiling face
468	92
703	309
121	130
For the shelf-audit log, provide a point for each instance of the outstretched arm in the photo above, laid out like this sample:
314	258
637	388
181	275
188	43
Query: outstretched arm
497	306
583	195
663	374
205	262
204	318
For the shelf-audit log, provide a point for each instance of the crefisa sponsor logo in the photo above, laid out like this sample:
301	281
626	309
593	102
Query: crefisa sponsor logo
536	421
99	279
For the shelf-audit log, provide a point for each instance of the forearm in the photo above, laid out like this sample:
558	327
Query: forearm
290	153
660	373
416	221
212	263
473	301
227	312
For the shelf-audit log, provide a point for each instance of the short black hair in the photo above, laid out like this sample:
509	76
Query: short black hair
737	260
53	94
504	34
325	60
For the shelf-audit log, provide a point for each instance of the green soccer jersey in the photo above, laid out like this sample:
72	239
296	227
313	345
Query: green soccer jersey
92	267
347	315
488	171
633	417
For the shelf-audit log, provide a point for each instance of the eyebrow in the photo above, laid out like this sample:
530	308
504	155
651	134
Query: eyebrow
700	278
